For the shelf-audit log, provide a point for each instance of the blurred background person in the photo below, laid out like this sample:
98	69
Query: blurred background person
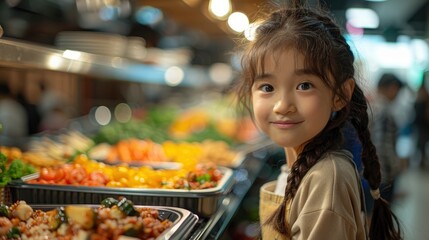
13	118
52	109
421	122
32	113
385	131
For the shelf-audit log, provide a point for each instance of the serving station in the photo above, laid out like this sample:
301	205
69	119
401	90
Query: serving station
214	207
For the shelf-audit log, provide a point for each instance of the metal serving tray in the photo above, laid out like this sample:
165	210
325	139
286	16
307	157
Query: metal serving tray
183	220
203	202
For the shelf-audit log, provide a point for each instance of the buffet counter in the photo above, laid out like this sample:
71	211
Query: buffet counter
225	201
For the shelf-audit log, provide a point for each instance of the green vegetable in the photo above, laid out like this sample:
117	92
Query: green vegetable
56	218
127	207
204	178
3	161
14	233
210	132
4	180
16	170
109	202
131	232
4	210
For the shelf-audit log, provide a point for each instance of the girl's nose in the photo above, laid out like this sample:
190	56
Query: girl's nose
284	105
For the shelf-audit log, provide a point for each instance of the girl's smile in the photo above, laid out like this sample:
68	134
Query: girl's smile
286	124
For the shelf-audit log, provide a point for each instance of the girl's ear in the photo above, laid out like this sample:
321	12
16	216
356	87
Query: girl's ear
347	88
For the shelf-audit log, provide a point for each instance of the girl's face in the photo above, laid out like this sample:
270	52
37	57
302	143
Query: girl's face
291	105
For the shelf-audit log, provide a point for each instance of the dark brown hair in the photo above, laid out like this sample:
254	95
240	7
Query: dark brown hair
314	34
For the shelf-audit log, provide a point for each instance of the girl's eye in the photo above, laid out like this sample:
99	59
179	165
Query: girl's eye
304	86
267	88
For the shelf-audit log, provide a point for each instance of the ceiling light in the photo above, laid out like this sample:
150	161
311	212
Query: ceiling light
362	17
238	21
123	112
220	8
102	115
221	73
174	76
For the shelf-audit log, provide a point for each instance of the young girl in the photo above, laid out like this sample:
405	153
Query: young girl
299	83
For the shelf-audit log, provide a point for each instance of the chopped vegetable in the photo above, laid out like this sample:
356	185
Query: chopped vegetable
204	178
4	210
127	207
22	211
81	215
15	170
14	233
56	217
109	202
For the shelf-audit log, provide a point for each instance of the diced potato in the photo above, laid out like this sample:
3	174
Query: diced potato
81	215
23	211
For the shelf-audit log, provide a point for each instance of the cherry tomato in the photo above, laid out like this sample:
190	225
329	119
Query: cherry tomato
59	174
217	175
98	177
88	182
47	174
76	175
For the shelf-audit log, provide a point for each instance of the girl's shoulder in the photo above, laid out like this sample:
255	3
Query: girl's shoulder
328	200
336	170
335	161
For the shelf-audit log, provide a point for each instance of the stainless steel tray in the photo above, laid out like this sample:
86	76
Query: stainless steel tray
203	202
183	220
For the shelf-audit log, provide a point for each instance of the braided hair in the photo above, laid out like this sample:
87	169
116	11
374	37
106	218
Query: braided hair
314	34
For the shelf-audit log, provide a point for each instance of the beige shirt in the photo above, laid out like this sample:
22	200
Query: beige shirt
328	204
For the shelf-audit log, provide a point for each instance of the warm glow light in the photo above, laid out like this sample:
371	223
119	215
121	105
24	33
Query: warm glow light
174	76
220	73
123	112
250	31
70	54
54	62
220	8
102	115
238	21
362	17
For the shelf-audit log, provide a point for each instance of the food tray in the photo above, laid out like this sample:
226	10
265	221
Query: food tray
203	202
183	220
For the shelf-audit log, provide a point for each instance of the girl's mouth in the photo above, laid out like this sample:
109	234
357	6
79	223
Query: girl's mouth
286	124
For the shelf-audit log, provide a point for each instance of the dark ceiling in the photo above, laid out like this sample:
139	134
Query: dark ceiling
187	23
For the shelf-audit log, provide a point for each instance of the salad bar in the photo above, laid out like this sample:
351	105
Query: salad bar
181	169
209	207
